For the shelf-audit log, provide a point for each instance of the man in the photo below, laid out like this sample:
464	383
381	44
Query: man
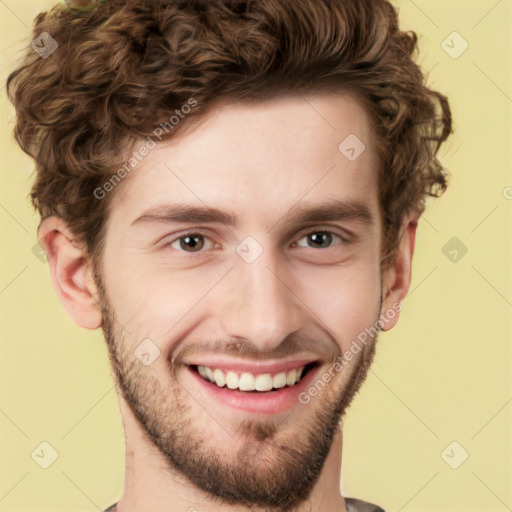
230	189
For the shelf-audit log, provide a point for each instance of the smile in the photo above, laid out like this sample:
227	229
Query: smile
248	381
270	392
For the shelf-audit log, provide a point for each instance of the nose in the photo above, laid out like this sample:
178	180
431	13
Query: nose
259	303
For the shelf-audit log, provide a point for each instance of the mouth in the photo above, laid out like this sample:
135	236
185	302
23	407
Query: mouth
257	392
249	382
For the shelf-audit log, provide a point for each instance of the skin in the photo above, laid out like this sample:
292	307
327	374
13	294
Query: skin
185	452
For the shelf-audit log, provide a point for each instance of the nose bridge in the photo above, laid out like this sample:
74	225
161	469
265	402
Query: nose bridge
261	308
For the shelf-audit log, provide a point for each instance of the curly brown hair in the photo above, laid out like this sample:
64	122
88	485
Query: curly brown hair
123	68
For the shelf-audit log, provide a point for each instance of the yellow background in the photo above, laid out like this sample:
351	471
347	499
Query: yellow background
442	375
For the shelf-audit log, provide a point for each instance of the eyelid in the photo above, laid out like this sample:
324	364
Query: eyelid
170	238
334	230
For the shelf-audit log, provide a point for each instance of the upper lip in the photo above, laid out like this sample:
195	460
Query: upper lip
252	366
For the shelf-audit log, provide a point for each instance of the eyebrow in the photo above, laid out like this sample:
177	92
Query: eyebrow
329	210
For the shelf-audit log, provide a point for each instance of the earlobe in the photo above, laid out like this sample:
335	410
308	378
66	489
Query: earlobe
397	279
71	272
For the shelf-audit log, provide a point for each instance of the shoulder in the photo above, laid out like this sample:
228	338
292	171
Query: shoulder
355	505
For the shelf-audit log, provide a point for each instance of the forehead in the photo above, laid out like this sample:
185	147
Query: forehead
260	159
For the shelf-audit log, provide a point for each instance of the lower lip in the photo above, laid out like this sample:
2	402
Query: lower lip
262	402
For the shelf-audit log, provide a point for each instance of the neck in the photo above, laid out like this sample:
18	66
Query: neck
151	485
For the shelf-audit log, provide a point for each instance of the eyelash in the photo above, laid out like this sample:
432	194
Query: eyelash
200	252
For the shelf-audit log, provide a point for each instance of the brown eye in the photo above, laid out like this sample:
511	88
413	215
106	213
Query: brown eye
190	243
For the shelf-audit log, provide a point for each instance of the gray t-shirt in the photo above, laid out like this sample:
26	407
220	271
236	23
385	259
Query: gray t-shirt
353	505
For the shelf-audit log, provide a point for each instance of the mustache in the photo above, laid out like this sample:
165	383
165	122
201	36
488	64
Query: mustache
294	345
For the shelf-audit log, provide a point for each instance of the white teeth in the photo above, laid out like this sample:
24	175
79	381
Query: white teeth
232	380
264	382
290	378
279	380
248	381
209	373
218	377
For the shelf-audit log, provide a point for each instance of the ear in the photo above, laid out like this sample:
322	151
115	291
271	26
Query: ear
71	272
397	279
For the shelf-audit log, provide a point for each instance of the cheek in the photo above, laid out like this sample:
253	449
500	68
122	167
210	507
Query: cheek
346	299
150	301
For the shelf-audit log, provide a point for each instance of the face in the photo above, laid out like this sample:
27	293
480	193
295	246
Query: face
249	246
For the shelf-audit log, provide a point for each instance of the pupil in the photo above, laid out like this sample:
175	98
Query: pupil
318	239
192	241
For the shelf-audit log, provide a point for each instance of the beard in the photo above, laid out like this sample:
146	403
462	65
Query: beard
269	466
